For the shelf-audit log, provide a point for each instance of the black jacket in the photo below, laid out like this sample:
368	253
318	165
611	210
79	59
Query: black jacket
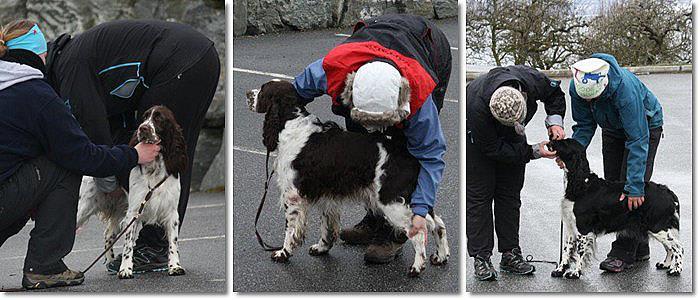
497	141
103	72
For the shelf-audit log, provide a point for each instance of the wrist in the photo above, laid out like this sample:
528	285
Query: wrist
536	153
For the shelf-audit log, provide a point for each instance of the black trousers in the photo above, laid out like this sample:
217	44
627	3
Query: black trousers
493	201
615	168
49	194
188	96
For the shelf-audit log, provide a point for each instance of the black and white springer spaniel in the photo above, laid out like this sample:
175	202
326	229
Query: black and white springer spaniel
591	207
319	164
159	127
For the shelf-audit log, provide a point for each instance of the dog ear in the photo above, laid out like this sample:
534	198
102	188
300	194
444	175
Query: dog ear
272	126
175	151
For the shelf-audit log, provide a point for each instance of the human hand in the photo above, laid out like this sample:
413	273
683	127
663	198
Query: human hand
417	226
556	132
633	202
544	151
147	152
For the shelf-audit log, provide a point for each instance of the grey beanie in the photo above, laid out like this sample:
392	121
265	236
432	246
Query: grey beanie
509	107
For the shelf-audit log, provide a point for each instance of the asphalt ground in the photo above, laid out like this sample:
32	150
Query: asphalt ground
343	270
540	213
202	244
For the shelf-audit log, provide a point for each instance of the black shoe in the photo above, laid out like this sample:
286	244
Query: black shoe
362	233
614	265
513	262
32	281
146	259
382	253
642	253
483	269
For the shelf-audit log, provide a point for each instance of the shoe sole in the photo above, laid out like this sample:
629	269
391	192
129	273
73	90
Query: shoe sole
625	267
29	285
490	277
512	271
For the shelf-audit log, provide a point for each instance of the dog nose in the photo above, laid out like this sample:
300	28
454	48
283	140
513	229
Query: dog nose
252	96
143	128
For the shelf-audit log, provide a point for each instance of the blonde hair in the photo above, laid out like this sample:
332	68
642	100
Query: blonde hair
13	30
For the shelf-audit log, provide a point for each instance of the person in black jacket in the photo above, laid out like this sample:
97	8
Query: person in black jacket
499	105
112	73
43	153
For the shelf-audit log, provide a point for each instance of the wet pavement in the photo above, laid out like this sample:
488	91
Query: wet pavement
539	222
287	54
202	244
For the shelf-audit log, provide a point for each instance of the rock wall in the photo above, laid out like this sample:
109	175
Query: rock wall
264	16
208	16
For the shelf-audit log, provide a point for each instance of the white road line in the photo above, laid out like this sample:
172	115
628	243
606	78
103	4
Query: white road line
252	151
347	35
214	237
218	280
207	206
277	75
263	73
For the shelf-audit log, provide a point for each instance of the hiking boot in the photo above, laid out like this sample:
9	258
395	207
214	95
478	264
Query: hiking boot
513	262
360	234
614	265
483	269
41	281
146	259
382	253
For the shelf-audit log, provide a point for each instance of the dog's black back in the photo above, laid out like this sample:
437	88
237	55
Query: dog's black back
336	162
597	207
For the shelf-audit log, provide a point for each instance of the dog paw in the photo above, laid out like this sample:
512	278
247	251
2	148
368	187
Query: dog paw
176	271
570	274
438	260
674	272
415	271
559	271
280	256
125	274
662	266
318	250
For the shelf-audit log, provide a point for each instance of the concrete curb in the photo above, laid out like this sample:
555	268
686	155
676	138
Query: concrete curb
641	70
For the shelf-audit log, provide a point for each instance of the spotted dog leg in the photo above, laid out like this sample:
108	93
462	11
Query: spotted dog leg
674	251
419	241
171	230
440	235
295	213
569	253
569	256
126	270
110	238
330	229
586	251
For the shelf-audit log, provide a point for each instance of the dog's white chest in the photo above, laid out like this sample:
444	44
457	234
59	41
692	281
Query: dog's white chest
164	199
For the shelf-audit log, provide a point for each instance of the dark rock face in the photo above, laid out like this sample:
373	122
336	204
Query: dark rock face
265	16
208	16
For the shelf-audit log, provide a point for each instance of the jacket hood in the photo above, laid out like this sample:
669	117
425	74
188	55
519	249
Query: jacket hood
14	73
614	74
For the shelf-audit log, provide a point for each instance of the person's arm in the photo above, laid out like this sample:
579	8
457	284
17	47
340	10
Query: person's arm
427	144
634	121
67	145
585	126
311	83
549	92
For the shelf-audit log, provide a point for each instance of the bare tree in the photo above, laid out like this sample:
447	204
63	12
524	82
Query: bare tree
642	32
540	33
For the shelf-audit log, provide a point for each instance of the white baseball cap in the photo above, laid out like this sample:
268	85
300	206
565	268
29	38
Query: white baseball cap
590	77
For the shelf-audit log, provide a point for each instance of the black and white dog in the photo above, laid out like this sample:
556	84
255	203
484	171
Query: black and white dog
591	207
319	164
158	127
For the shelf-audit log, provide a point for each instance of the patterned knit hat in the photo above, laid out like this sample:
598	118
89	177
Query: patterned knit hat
509	107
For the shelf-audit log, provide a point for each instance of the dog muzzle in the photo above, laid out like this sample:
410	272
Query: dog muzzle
252	96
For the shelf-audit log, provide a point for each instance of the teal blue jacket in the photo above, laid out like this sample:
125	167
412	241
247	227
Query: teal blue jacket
628	109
